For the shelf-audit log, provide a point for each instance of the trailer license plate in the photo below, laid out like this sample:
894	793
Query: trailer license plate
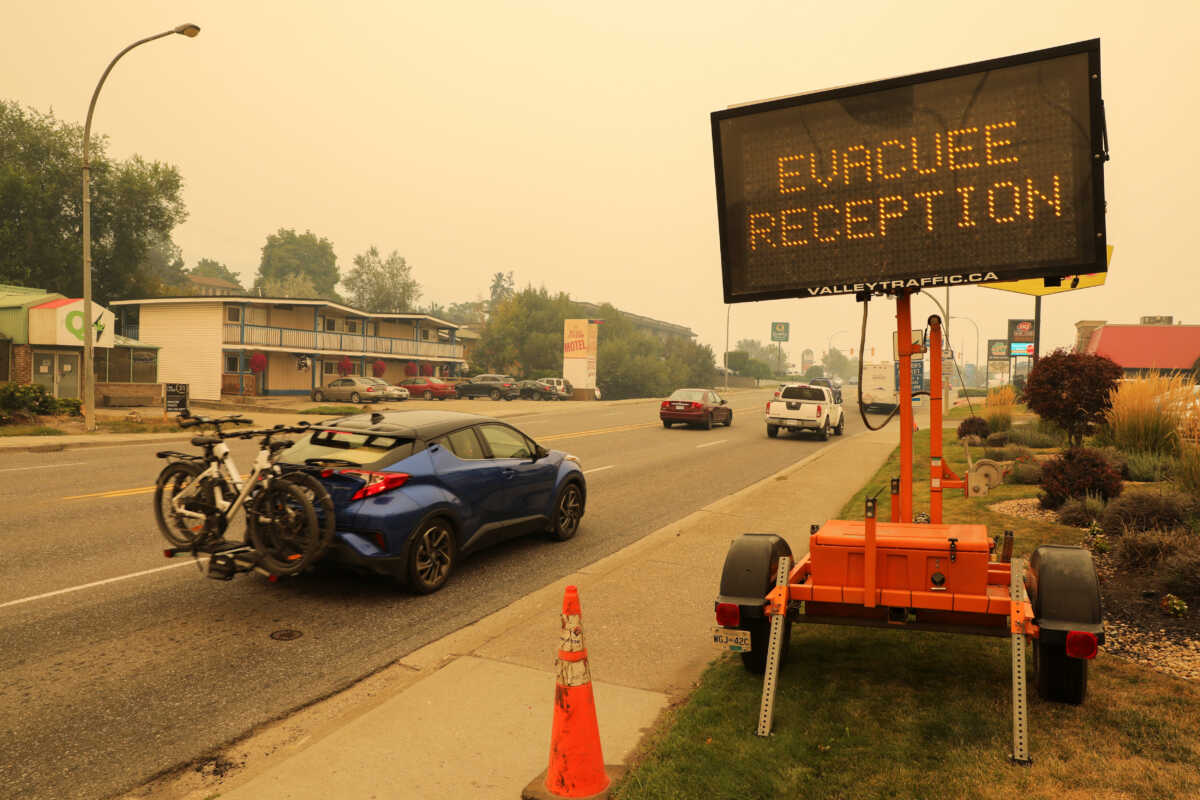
732	639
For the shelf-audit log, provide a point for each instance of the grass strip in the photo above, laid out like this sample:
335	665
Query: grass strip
865	713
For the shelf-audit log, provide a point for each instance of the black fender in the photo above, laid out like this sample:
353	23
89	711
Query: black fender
1065	592
749	571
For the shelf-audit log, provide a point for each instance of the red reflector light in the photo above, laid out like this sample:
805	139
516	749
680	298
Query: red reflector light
818	411
168	554
1081	644
728	615
665	404
370	388
695	405
376	482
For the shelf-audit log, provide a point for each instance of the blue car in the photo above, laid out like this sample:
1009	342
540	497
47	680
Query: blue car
415	491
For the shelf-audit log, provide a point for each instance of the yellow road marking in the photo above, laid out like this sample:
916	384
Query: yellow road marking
113	493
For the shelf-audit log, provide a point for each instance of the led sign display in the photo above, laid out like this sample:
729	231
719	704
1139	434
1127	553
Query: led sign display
1022	348
981	173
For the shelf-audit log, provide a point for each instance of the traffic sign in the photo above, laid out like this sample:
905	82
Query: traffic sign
779	331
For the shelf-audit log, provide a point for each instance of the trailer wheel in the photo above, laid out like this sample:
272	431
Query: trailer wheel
760	635
746	577
772	431
1060	678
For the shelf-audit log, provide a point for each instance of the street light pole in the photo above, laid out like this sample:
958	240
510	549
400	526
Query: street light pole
976	327
89	364
728	310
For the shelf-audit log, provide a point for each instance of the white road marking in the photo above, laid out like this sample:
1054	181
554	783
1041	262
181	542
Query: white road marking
96	583
710	444
597	469
46	466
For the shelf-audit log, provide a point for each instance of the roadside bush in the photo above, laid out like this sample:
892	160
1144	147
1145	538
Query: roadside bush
1181	571
998	411
1117	459
1187	471
1148	466
999	419
67	406
1078	472
1140	549
1144	511
1010	452
21	397
997	439
973	426
1029	436
1082	512
1144	414
1072	390
1001	397
980	392
1028	473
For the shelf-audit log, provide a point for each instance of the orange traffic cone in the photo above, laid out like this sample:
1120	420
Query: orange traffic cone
576	764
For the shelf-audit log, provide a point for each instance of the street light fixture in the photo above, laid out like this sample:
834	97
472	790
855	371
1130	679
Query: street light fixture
189	30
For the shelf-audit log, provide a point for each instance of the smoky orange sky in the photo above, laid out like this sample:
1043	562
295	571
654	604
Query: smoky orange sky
570	142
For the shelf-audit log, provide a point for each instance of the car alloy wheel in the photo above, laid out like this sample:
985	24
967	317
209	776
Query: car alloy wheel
568	512
428	395
432	556
494	394
318	396
729	419
708	423
354	398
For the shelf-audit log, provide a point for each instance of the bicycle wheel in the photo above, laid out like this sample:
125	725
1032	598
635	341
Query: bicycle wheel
182	531
322	504
283	527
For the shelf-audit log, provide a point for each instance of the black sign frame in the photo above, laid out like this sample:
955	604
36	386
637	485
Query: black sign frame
992	349
1014	328
1099	150
175	397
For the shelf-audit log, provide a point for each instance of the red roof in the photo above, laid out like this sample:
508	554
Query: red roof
1148	346
56	303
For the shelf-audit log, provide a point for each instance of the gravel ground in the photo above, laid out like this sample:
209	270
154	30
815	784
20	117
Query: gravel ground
1172	652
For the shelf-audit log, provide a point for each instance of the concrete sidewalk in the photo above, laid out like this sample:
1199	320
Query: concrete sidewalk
470	715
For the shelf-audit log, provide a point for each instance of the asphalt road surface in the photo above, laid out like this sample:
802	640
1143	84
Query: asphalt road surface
117	665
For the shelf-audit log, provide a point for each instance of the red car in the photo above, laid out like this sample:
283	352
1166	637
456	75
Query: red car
428	388
695	407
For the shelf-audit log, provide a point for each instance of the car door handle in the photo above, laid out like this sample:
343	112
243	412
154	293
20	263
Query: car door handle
508	474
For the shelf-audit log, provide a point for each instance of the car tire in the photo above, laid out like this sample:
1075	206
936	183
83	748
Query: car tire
494	394
667	423
432	555
823	434
318	396
772	431
568	512
428	395
729	420
841	426
355	398
708	423
442	397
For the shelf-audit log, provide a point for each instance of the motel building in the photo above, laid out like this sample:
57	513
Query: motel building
284	346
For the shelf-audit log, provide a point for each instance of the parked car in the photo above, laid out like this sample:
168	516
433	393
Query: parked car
695	407
562	387
416	491
428	388
359	389
493	386
806	407
544	389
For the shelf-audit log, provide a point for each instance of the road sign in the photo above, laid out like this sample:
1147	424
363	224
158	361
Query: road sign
916	370
997	350
1021	330
177	397
918	341
779	331
968	175
1021	349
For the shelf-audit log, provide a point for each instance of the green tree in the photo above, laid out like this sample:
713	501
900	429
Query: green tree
502	288
162	264
523	335
838	364
209	268
134	203
287	253
383	286
467	313
290	285
815	371
737	361
771	354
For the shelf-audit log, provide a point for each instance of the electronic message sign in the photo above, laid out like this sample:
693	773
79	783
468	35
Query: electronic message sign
1021	348
1021	330
998	350
975	174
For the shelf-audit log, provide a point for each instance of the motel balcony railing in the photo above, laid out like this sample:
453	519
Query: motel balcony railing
350	343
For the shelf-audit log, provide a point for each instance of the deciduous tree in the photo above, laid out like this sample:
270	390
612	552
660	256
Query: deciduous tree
1072	390
382	285
210	268
287	253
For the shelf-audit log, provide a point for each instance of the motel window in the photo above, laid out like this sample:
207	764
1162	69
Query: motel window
330	324
329	368
120	365
351	326
145	366
233	363
233	314
425	334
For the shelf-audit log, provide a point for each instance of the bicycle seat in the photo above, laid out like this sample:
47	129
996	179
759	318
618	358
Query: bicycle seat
205	441
277	446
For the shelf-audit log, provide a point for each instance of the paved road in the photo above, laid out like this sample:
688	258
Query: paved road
149	665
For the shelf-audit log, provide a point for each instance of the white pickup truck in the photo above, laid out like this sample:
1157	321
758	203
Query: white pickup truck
804	407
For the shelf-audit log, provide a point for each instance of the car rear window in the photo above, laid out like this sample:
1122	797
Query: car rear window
361	448
803	393
690	395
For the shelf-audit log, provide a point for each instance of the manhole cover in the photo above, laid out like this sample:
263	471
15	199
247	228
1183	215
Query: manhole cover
286	635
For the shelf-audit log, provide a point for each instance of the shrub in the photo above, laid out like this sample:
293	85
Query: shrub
1187	470
973	426
999	420
997	439
1144	511
1029	436
1173	606
1001	397
1009	452
1078	472
972	392
1181	571
1082	512
27	397
1149	466
1028	473
1117	459
67	406
1138	549
1072	390
1144	414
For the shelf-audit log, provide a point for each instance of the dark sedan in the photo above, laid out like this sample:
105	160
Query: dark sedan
702	407
414	492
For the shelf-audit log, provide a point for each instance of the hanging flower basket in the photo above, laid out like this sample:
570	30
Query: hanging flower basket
258	362
410	369
378	368
345	366
427	369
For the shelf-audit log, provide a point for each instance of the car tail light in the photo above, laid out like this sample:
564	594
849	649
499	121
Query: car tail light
818	410
694	406
768	408
728	615
1081	644
370	388
375	482
665	404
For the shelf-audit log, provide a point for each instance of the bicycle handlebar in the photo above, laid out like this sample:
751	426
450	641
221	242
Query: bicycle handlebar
217	422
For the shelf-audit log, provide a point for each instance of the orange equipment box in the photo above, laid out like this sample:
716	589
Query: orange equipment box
919	566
